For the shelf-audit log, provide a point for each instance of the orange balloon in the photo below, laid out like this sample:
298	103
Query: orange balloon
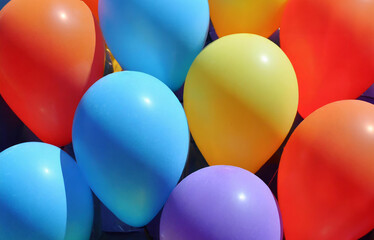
59	51
93	5
330	45
326	174
261	17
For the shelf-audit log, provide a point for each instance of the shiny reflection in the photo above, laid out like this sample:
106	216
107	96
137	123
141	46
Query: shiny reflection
63	16
370	128
46	170
264	59
147	101
242	196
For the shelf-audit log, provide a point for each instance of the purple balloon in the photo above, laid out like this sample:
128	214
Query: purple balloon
369	92
275	37
220	203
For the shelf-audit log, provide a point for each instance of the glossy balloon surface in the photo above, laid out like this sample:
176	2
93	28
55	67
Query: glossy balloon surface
326	174
240	99
330	45
43	195
160	38
131	139
220	203
93	5
59	53
246	16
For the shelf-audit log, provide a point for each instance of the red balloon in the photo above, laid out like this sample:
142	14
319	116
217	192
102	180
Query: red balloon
93	5
326	174
330	44
51	52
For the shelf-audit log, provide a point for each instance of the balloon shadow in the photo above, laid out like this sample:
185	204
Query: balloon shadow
98	58
140	235
366	99
269	171
369	236
275	37
12	227
369	92
97	221
110	223
143	186
12	129
195	160
79	207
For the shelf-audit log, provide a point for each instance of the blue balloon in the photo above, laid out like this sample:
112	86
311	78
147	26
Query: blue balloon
43	195
161	38
3	3
131	139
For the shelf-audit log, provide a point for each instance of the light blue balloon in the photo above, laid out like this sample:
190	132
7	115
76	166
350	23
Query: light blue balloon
3	3
131	139
43	195
158	37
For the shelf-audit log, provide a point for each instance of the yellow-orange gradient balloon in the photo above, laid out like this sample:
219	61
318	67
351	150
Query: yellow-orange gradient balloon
260	17
241	98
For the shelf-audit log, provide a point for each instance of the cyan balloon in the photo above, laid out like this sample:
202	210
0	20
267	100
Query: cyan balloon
131	139
43	195
3	3
161	38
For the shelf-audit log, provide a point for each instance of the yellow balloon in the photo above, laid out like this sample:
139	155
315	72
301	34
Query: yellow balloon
116	66
240	98
260	17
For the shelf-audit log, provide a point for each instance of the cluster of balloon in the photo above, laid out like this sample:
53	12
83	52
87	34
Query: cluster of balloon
62	56
326	174
43	194
160	38
131	139
94	7
243	16
221	202
327	70
240	99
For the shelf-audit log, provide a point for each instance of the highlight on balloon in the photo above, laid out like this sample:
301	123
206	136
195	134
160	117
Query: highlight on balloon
186	120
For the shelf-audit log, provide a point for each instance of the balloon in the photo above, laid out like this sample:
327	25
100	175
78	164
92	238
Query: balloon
331	48
111	224
3	3
43	195
369	92
116	66
220	203
212	35
326	174
93	5
62	55
131	139
366	99
240	99
246	16
275	37
161	38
